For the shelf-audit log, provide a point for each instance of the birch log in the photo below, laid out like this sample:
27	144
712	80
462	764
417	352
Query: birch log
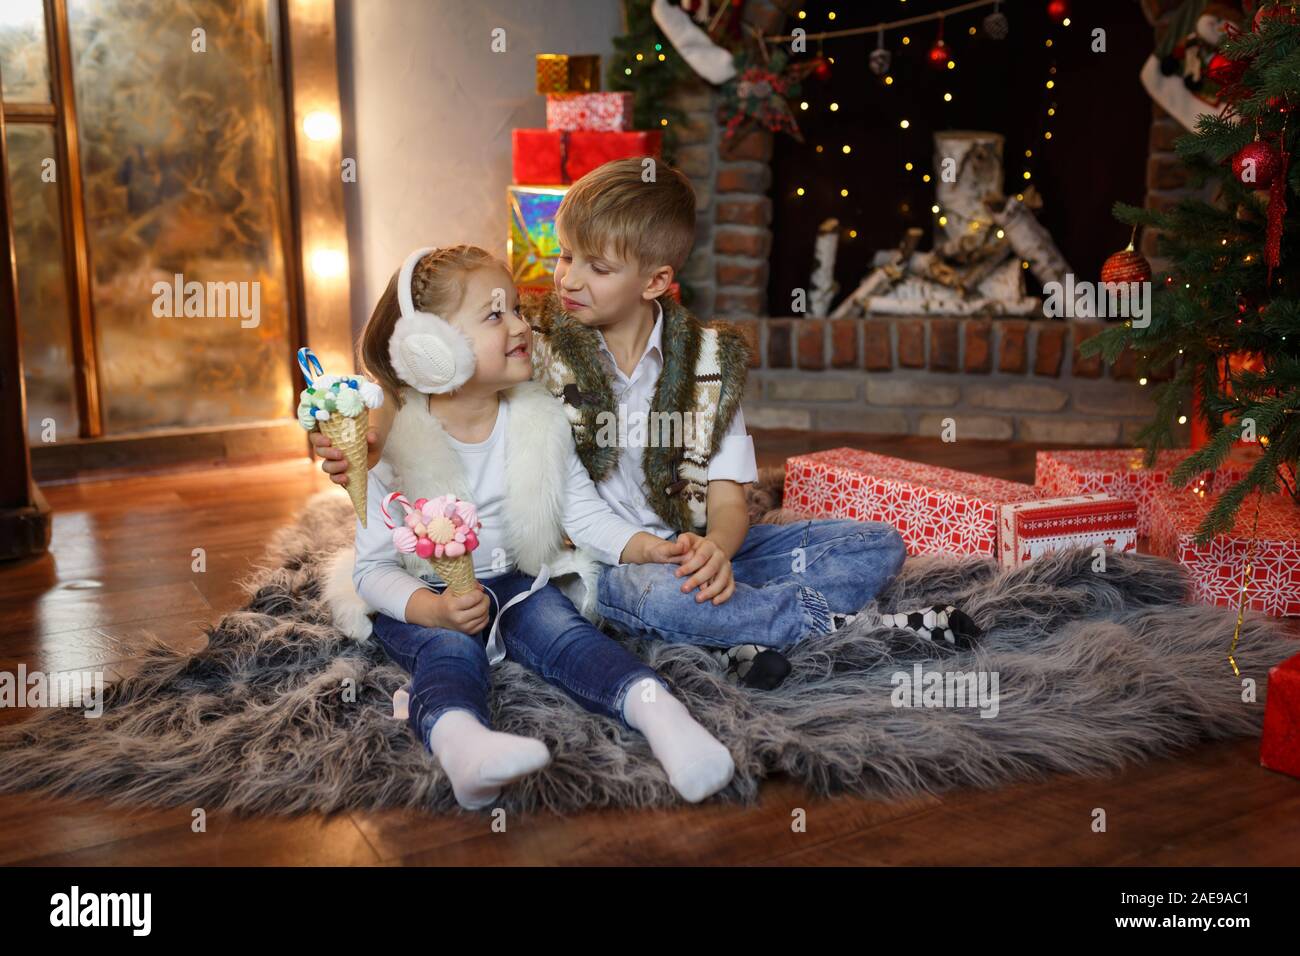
1032	242
967	171
823	276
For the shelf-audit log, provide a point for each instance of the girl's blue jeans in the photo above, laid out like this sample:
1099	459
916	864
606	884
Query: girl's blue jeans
790	580
544	632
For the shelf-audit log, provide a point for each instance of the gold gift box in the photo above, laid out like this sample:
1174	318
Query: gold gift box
567	73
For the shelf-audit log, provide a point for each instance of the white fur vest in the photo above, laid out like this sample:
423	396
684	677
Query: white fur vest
419	462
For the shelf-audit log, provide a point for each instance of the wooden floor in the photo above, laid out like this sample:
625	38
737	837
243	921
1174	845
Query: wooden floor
121	567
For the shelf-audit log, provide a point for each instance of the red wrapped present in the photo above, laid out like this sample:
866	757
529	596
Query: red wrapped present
1120	474
1031	529
590	112
567	73
936	510
1218	568
1280	747
544	157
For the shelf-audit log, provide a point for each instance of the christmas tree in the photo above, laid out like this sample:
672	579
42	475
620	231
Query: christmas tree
1225	315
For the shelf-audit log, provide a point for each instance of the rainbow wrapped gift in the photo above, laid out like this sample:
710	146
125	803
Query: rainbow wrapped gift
589	112
568	73
545	157
1218	567
1279	749
1031	529
1120	474
533	246
936	510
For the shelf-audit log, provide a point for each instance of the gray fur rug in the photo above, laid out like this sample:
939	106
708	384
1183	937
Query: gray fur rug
1096	670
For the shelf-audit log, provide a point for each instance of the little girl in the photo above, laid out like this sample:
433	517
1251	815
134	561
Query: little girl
448	345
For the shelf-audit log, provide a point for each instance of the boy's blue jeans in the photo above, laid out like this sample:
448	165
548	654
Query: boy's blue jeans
789	580
544	632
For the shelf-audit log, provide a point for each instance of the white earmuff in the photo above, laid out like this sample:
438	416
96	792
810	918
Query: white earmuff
428	353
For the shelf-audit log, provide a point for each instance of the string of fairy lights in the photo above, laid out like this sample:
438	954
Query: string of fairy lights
941	57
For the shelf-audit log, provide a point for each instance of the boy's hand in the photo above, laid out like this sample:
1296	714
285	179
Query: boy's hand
709	569
467	613
334	464
666	552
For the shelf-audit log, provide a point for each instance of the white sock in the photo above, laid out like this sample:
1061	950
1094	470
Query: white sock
478	761
697	764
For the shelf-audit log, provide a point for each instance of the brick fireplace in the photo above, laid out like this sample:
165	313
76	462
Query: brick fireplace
993	378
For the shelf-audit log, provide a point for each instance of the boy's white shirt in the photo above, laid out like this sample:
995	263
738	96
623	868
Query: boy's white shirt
624	488
547	493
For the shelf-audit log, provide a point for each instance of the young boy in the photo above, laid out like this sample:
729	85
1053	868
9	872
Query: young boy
653	396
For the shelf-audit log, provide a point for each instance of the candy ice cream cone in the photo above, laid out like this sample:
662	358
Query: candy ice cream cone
443	531
340	408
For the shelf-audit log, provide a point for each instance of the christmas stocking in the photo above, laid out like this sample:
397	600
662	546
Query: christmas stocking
704	56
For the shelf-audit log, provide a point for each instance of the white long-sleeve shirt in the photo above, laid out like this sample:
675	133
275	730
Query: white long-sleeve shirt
624	488
384	584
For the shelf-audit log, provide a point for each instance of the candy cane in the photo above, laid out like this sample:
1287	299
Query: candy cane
306	360
398	497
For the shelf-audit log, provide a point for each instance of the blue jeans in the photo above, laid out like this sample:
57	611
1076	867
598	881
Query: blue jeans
789	580
544	632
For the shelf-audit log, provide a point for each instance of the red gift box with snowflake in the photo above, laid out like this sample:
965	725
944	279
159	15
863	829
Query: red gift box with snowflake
545	157
1031	529
591	112
1218	567
1121	474
936	510
1280	747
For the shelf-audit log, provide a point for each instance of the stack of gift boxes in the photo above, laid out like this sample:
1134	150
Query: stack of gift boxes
1086	498
1092	499
585	128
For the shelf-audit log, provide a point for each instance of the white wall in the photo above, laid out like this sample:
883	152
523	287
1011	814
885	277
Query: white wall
427	113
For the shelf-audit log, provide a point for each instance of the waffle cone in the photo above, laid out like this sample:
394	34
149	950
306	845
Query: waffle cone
457	572
348	435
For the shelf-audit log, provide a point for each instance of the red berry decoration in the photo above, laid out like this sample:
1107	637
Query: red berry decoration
1256	164
1224	71
1127	265
1058	10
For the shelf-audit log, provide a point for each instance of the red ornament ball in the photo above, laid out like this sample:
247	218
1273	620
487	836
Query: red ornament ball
1058	10
822	70
939	55
1256	164
1285	11
1127	265
1224	71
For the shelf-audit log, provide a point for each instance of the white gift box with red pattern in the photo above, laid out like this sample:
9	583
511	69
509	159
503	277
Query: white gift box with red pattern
1218	567
589	112
1031	529
1120	474
936	510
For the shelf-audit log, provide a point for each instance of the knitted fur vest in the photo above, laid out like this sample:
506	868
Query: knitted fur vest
419	462
702	382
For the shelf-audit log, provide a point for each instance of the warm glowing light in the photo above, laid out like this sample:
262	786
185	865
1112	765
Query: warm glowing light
844	192
831	15
934	208
853	234
906	40
1065	22
320	125
329	263
889	81
943	220
803	104
1024	264
1182	419
834	107
640	56
847	148
1142	381
819	148
802	14
662	57
904	124
663	121
1027	174
952	65
908	167
925	178
627	70
1047	135
799	191
1001	234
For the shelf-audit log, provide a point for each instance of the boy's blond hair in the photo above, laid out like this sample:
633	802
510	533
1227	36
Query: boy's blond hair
614	207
